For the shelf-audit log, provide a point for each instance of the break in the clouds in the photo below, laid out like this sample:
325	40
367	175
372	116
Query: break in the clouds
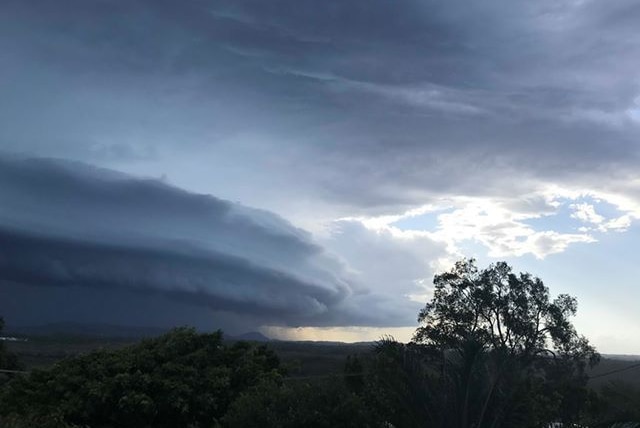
539	224
432	129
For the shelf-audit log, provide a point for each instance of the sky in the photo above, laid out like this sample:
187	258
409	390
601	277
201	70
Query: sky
305	167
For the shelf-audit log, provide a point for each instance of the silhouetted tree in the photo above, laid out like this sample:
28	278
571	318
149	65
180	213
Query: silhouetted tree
505	347
503	311
493	350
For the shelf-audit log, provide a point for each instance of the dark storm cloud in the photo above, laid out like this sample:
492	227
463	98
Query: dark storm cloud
372	104
217	281
314	110
71	226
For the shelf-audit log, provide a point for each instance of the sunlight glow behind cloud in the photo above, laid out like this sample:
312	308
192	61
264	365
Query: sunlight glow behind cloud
502	225
400	136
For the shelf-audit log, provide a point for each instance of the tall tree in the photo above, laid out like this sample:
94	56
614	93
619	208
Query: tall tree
502	311
493	349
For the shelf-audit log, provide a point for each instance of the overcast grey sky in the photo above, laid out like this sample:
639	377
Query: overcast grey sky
298	163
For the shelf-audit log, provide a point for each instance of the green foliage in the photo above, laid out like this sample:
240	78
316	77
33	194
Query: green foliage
179	379
493	351
31	421
398	385
291	405
354	374
8	361
503	311
618	405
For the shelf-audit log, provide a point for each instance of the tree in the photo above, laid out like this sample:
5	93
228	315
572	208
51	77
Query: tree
354	374
502	311
505	347
8	360
179	379
618	405
295	404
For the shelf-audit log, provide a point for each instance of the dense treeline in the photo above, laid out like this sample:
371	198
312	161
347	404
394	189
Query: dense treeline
492	350
181	379
188	379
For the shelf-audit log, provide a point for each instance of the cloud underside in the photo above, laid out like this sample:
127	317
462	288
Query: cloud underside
421	127
70	226
214	280
372	107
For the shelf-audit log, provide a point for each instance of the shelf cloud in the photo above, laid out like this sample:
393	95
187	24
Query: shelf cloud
412	132
71	225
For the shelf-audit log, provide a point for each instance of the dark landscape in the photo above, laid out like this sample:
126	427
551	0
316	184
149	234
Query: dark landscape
319	213
492	348
42	346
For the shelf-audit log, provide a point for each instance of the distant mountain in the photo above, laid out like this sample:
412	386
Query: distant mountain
623	357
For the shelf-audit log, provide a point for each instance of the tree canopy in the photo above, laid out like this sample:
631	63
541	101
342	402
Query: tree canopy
493	349
179	379
500	310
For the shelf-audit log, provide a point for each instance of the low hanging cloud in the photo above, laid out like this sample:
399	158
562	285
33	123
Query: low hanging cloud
70	225
516	121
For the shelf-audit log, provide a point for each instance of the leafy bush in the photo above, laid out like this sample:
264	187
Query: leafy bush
179	379
291	405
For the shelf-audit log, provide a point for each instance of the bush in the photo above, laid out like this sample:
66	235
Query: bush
179	379
290	405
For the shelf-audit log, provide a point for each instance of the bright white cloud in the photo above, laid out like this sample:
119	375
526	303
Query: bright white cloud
586	213
537	224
